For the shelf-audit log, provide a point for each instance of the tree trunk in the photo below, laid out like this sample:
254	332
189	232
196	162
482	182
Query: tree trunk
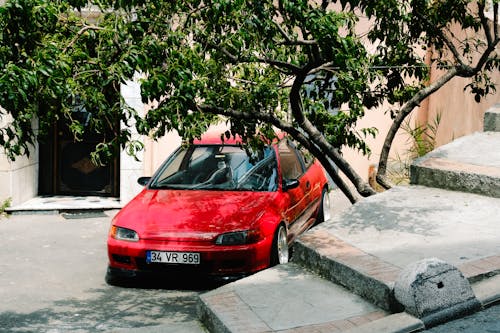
382	178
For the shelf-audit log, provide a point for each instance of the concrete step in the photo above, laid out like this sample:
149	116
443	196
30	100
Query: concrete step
343	272
492	119
468	164
365	248
285	298
68	205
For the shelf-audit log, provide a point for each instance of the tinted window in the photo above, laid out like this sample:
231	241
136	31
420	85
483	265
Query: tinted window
219	167
291	166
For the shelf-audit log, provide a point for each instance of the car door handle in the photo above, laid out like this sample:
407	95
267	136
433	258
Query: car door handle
308	185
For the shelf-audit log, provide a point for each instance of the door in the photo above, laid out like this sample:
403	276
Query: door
66	167
293	168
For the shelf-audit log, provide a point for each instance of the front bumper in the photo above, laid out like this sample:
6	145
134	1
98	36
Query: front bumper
129	258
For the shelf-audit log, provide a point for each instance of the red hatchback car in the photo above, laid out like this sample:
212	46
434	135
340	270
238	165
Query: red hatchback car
218	209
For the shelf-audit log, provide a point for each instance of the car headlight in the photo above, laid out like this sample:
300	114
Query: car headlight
238	237
124	234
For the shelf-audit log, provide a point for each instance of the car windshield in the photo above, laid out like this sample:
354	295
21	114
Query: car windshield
219	167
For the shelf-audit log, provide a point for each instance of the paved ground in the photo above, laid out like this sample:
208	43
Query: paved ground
364	248
52	280
407	224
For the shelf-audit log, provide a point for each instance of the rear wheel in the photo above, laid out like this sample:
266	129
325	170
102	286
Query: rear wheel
280	250
324	213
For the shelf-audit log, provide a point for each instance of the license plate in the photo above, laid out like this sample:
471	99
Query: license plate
190	258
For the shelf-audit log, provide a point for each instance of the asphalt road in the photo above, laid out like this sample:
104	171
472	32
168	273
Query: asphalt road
486	321
52	280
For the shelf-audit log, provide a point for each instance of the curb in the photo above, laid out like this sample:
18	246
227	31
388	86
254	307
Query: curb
396	323
348	266
487	291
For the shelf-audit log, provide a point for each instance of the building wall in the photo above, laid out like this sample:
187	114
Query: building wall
460	113
19	178
130	167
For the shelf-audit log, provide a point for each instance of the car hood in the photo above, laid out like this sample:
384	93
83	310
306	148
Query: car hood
193	215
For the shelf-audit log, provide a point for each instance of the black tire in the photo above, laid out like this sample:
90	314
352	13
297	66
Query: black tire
280	252
118	277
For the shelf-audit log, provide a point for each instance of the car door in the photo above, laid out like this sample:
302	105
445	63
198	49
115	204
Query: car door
292	168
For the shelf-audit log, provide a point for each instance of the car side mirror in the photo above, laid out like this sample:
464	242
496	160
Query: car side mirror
143	181
289	184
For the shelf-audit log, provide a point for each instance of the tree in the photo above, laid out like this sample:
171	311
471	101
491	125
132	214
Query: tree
296	65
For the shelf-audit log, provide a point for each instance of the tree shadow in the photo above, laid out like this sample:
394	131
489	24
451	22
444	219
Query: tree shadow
142	302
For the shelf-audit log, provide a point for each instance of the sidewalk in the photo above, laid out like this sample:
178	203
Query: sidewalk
364	249
343	272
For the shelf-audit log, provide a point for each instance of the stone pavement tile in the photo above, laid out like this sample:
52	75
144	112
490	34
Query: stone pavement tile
235	314
487	291
387	277
338	325
359	320
470	271
494	260
396	323
343	325
476	269
337	249
285	298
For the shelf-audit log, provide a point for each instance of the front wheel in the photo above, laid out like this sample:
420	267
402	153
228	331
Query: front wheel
280	250
324	212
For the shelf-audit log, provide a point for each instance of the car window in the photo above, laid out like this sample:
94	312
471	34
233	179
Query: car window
174	165
291	165
307	157
224	167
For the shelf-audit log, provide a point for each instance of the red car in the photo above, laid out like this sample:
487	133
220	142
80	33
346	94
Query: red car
216	208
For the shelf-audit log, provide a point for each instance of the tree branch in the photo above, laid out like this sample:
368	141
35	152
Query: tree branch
79	34
292	131
235	59
484	21
398	120
296	106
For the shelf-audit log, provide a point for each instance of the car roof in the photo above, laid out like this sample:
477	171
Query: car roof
215	137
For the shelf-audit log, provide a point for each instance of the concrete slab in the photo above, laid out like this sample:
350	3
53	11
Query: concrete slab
410	223
183	327
396	323
282	298
492	118
488	290
475	149
58	204
366	247
449	167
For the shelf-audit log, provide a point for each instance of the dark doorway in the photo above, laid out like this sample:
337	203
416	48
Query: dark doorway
66	167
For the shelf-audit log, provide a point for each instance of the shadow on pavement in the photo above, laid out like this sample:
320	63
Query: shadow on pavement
140	302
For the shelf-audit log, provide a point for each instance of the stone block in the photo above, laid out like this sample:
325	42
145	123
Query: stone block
492	119
435	292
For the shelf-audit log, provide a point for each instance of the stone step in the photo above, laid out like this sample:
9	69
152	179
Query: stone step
285	298
492	119
365	248
69	205
343	272
468	164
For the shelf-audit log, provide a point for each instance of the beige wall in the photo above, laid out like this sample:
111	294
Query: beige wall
460	114
19	178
